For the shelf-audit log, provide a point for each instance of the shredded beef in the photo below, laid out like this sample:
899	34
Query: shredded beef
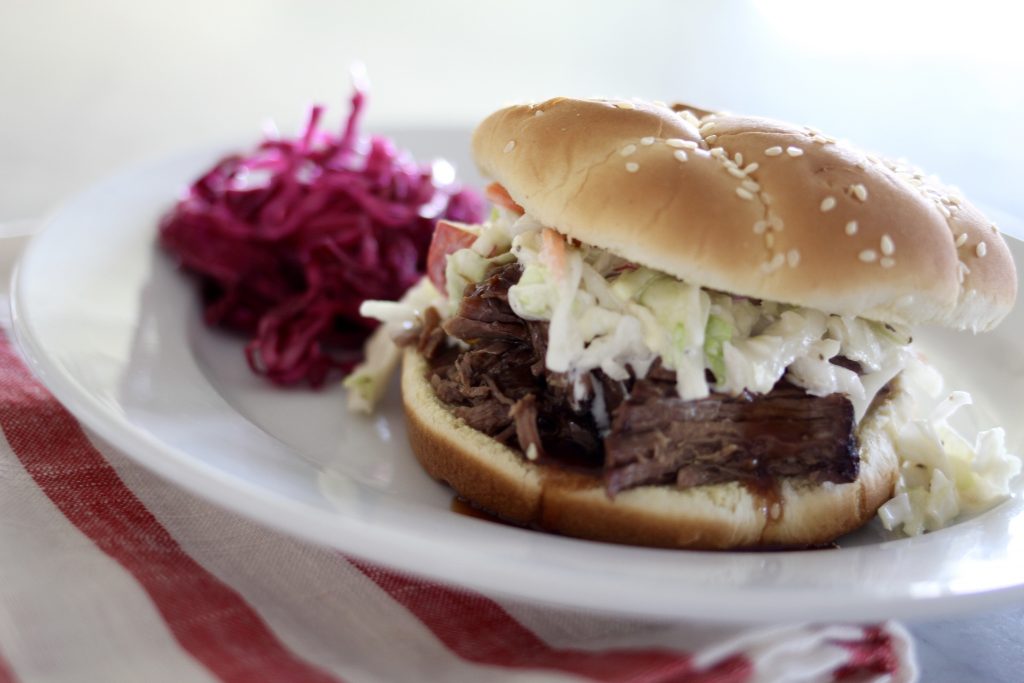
496	380
658	438
433	339
524	412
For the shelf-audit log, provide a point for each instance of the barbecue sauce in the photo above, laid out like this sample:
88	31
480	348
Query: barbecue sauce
768	497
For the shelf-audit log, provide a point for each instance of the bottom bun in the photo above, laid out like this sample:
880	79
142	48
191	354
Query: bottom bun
499	480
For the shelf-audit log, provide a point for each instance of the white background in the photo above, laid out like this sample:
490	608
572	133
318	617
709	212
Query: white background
88	86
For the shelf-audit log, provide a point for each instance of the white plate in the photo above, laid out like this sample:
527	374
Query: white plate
114	331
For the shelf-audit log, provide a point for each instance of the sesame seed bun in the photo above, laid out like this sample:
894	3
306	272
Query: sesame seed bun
753	207
501	481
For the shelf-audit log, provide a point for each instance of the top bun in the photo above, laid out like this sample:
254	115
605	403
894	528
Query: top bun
753	207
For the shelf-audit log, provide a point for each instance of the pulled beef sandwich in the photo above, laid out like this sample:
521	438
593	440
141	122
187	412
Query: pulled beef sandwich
685	329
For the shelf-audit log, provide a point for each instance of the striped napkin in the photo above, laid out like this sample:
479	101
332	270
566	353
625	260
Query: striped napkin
110	574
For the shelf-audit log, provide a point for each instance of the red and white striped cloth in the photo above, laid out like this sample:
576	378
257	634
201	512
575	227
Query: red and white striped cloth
109	574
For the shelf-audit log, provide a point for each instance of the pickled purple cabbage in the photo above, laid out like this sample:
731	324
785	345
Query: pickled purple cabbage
289	239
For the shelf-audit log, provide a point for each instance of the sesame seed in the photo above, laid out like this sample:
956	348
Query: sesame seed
717	152
706	126
887	262
509	146
750	168
867	256
648	140
794	151
774	264
828	203
859	191
887	246
738	158
711	138
689	117
735	171
773	151
627	150
961	271
632	167
769	239
539	112
744	193
851	228
820	139
676	142
680	155
690	144
981	249
760	227
625	105
793	258
961	239
751	185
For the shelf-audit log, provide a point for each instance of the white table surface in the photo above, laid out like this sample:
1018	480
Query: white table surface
86	88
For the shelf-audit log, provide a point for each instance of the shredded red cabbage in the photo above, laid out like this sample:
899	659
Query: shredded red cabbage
291	238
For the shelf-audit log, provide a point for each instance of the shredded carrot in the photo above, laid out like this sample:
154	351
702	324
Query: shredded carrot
497	194
553	252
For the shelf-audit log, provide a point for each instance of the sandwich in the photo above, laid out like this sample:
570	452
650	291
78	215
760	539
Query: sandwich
682	328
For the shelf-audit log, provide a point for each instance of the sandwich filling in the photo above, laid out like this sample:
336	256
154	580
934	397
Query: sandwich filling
497	380
575	356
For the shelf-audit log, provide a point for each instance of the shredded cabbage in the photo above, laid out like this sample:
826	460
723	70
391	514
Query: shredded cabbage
366	384
943	475
290	238
718	331
607	314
